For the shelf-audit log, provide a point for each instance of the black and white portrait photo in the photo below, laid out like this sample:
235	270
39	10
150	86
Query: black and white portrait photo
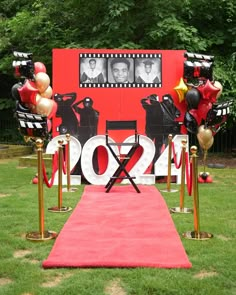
148	70
106	70
93	70
120	70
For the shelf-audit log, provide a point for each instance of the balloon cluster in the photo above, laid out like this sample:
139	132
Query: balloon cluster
34	94
197	88
200	93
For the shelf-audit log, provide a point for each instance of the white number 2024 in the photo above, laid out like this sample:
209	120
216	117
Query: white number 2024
86	155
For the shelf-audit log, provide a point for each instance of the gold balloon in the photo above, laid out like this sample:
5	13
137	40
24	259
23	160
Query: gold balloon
47	93
204	133
42	81
181	89
208	144
205	137
217	84
45	106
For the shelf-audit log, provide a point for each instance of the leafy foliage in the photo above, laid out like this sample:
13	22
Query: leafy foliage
38	26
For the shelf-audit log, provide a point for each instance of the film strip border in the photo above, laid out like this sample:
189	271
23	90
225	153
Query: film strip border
121	55
115	55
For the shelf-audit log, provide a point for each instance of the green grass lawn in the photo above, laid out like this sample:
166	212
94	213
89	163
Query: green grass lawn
213	261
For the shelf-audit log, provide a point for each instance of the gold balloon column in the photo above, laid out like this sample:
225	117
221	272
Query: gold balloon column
196	234
41	235
181	208
34	110
168	188
60	208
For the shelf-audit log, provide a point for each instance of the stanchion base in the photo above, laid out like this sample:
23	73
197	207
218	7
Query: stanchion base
40	237
71	190
59	209
192	235
169	190
181	210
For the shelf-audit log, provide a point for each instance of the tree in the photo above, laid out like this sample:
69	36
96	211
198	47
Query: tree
38	26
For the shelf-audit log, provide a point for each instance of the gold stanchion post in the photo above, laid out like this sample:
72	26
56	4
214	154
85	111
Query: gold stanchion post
168	188
196	234
60	208
68	188
41	235
181	208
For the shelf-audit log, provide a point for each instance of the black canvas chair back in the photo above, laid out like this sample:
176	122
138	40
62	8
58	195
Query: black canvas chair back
122	160
122	126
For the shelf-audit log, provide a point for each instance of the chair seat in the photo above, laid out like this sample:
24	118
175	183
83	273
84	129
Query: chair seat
123	177
123	143
121	157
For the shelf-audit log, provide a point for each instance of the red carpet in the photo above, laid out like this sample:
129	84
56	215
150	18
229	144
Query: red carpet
119	229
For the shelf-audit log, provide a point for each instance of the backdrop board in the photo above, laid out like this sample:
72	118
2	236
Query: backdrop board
94	85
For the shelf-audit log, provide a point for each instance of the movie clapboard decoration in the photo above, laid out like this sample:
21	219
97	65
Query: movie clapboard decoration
218	113
32	125
198	66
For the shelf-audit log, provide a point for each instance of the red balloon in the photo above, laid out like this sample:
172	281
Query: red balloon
49	125
35	180
209	179
200	179
195	114
209	91
28	94
203	108
39	67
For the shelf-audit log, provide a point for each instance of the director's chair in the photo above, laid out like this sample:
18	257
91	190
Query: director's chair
122	159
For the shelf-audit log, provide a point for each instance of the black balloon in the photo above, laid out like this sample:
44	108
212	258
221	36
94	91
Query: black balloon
204	175
190	123
14	91
21	108
192	98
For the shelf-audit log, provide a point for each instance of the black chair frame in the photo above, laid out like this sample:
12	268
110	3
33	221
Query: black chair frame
122	160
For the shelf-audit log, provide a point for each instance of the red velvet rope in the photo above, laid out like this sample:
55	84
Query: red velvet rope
188	168
64	160
177	165
189	174
54	169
